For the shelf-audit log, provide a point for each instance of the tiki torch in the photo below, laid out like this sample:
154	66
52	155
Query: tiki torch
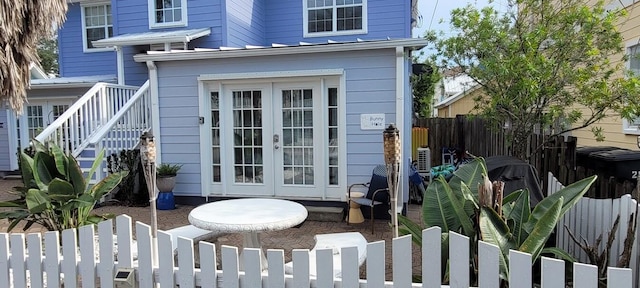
148	155
392	155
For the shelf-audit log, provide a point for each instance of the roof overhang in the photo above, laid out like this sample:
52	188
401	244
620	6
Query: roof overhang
278	49
148	38
71	82
452	99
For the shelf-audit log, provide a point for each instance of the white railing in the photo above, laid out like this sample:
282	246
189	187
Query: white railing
23	261
589	219
72	130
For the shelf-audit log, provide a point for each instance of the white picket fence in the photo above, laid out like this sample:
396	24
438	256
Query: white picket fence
590	218
29	264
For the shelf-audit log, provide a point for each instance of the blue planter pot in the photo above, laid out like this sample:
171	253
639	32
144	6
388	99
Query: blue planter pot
165	201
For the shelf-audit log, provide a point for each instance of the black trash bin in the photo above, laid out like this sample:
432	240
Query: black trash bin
622	164
582	155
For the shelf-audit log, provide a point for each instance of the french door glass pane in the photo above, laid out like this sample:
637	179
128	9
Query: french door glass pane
216	163
247	133
332	127
297	134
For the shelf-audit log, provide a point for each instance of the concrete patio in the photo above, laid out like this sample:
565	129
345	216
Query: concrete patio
293	238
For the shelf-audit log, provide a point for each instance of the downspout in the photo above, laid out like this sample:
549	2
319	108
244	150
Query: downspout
120	65
155	109
400	90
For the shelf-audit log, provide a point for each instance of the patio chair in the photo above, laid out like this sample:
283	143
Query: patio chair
377	195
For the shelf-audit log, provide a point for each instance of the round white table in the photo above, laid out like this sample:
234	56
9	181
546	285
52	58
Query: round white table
248	216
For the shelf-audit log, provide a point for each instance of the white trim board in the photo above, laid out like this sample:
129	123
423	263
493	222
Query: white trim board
277	74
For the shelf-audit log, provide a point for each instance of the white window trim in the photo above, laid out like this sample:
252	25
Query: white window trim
152	16
84	28
305	23
627	126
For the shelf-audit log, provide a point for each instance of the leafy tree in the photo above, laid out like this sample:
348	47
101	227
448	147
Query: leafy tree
48	54
545	66
423	86
23	24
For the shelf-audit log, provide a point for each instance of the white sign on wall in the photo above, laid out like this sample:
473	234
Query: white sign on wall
372	121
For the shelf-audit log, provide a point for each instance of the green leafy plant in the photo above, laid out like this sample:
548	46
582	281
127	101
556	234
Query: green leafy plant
460	206
132	190
55	193
168	170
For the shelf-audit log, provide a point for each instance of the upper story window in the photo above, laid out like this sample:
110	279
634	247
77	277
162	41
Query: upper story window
167	13
633	126
334	17
96	25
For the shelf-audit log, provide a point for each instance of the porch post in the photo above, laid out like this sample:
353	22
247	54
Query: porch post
120	65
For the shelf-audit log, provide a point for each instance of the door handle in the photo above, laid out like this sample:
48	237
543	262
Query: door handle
276	139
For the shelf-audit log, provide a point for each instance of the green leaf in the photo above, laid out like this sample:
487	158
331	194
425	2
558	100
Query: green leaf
60	160
60	187
437	209
542	230
43	165
37	201
76	178
471	175
407	226
559	253
26	169
571	194
96	163
518	211
107	184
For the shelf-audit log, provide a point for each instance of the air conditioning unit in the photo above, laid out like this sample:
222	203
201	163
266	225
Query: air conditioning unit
424	161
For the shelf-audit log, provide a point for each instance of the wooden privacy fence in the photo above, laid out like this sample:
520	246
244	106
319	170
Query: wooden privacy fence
590	218
32	265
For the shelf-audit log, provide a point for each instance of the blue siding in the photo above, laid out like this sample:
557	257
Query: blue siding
245	22
370	79
5	164
385	19
73	61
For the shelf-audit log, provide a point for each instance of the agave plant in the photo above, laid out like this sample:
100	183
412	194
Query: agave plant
55	193
455	206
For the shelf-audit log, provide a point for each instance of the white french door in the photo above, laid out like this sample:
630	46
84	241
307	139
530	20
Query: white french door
37	116
270	139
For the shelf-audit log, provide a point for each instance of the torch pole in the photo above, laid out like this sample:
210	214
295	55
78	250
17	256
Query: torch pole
148	155
391	141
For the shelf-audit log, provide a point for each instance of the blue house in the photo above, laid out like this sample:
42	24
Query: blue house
269	98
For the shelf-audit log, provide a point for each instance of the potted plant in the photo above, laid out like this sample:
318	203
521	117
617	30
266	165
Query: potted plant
165	181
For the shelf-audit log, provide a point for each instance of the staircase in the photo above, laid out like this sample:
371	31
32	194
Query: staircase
109	116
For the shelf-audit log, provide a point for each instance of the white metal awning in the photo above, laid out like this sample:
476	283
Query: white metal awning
148	38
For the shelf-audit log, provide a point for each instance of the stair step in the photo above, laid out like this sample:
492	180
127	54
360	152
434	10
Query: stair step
325	214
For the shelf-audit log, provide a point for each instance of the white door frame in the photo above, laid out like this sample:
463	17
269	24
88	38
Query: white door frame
216	82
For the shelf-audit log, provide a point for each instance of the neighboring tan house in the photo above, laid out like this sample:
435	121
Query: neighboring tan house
617	131
454	96
257	98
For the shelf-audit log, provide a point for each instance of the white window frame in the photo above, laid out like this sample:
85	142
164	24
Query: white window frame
152	16
629	127
334	32
84	27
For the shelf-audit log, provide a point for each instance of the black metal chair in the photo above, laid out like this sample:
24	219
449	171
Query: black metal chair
377	194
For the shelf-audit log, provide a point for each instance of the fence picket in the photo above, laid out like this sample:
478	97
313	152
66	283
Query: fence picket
599	220
552	273
300	259
350	266
375	264
619	277
4	260
70	258
275	268
208	274
124	238
607	221
520	268
87	256
230	267
431	249
107	259
585	275
52	258
144	241
324	267
401	261
614	249
459	260
581	225
165	260
252	267
16	261
488	265
186	272
34	262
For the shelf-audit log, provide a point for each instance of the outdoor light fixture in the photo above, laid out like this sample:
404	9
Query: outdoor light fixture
148	156
391	141
125	278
